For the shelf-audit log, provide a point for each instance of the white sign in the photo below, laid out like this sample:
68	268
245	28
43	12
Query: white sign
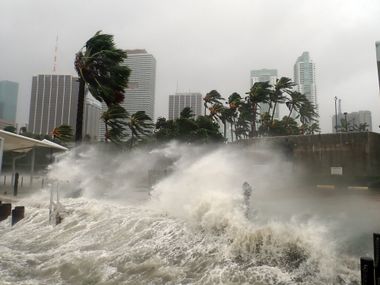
336	170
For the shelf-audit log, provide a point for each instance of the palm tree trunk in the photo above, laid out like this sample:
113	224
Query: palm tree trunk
232	131
287	119
131	141
106	130
79	123
274	109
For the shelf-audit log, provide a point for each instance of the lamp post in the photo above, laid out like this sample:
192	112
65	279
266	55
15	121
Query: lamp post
345	118
336	115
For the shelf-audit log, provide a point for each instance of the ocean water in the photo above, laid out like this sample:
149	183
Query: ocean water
191	227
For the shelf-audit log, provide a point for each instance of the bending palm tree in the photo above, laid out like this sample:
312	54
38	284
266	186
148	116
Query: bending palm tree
294	103
139	124
212	98
234	101
99	66
115	121
259	93
283	85
63	133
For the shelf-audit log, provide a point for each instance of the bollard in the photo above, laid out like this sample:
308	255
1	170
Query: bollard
22	181
18	214
5	211
376	257
15	186
366	269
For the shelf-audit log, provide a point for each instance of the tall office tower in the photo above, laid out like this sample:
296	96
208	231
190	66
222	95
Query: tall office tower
54	102
304	77
179	101
356	121
139	96
92	114
8	103
263	75
378	60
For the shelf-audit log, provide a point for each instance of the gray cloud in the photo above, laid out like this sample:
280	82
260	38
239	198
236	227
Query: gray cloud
204	45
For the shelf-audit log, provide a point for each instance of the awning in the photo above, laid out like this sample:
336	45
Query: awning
18	143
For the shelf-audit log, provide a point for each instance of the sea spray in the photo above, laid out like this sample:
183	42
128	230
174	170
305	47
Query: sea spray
190	230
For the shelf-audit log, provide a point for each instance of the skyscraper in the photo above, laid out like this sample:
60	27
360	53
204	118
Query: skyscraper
179	101
54	102
304	77
378	60
263	75
8	102
139	96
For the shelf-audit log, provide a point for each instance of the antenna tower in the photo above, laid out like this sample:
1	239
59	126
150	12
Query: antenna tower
55	55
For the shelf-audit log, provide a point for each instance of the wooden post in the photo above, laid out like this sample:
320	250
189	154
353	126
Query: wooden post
15	186
18	214
5	211
376	256
366	269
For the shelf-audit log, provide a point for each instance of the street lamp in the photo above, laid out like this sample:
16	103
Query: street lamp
336	115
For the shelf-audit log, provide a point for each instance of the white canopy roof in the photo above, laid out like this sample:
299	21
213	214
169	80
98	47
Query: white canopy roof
18	143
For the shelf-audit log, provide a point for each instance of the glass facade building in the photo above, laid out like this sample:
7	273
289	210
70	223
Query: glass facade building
8	101
304	77
179	101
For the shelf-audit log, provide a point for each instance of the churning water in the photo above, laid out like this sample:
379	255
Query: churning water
191	228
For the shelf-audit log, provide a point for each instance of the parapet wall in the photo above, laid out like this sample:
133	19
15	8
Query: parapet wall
349	154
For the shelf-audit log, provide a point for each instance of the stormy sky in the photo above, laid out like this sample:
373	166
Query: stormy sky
202	45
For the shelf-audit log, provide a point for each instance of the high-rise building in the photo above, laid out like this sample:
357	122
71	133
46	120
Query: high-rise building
8	102
263	75
304	77
92	114
378	60
139	96
356	121
179	101
54	102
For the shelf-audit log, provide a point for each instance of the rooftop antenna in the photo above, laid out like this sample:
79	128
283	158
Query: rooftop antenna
176	90
55	55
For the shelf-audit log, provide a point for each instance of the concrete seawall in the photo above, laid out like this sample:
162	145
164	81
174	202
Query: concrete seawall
342	158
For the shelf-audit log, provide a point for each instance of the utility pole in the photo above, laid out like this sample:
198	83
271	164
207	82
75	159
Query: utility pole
336	115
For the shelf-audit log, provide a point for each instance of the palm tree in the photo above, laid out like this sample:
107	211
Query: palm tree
211	98
259	93
294	103
99	65
307	112
139	124
63	133
234	101
283	85
186	113
115	121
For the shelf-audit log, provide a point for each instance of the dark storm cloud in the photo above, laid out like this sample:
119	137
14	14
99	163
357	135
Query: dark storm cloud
204	45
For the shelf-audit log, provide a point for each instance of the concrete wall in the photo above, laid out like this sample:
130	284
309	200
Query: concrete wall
358	154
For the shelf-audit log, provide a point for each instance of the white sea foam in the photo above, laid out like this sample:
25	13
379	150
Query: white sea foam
191	230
